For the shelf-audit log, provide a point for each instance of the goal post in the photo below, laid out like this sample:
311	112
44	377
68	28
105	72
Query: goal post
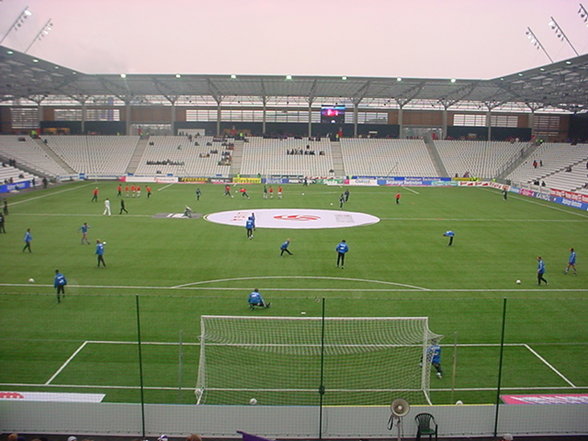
277	360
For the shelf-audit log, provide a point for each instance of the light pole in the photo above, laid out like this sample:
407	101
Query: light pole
26	13
561	34
536	43
41	34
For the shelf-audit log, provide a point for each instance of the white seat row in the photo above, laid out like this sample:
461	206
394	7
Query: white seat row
386	157
94	155
30	154
7	173
481	159
270	157
186	158
554	157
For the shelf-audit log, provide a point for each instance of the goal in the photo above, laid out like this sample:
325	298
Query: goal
286	360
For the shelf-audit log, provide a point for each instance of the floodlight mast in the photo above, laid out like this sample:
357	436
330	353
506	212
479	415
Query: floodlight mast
536	43
48	27
561	34
26	13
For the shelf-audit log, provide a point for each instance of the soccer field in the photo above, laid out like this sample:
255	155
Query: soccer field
177	269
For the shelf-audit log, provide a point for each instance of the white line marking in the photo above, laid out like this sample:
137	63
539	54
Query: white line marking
279	345
479	220
49	194
473	389
155	343
74	214
303	277
525	199
550	366
66	363
189	286
464	389
164	187
410	189
534	202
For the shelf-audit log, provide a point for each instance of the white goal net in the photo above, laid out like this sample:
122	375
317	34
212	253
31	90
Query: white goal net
285	360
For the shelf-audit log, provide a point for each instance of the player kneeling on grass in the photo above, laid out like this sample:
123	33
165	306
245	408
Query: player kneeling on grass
256	300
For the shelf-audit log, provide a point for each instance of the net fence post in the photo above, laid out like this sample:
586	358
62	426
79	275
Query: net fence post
322	385
180	362
500	366
454	366
140	366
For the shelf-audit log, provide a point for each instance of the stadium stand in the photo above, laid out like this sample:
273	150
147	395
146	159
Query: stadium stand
94	155
555	159
386	157
178	156
12	174
271	157
481	159
27	152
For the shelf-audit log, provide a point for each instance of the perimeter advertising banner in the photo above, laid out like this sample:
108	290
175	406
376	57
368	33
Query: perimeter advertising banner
562	197
64	397
569	195
7	188
194	180
545	399
247	180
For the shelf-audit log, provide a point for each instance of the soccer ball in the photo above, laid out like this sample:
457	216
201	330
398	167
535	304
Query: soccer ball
104	243
331	203
253	401
302	194
459	403
31	280
518	282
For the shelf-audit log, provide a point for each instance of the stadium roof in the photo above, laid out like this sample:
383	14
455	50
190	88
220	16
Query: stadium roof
562	85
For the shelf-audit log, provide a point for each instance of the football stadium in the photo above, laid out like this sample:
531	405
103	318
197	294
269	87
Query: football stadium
292	256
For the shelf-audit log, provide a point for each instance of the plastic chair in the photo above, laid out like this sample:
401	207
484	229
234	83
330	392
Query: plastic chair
425	423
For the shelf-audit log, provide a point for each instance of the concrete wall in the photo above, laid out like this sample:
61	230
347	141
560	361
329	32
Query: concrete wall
283	421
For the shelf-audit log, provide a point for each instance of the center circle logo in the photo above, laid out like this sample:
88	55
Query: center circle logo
297	217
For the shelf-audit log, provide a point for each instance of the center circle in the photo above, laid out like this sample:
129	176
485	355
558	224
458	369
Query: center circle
293	218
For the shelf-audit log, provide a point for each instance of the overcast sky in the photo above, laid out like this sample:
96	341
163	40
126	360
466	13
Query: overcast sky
410	38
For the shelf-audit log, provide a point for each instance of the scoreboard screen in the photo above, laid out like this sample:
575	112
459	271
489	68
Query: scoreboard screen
333	114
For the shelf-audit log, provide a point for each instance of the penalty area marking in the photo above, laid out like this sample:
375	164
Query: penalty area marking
165	186
411	190
464	389
550	366
64	365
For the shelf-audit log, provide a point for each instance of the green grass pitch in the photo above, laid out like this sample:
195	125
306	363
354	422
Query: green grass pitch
87	343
